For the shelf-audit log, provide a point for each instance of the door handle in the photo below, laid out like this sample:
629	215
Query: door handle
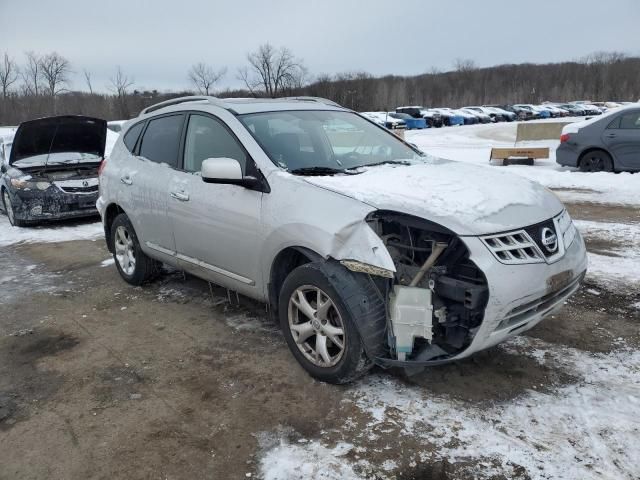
126	180
183	197
611	135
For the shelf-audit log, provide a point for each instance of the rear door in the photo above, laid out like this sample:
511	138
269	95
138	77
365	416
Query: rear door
622	139
158	153
216	226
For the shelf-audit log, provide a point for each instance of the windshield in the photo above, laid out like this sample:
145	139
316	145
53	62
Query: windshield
331	140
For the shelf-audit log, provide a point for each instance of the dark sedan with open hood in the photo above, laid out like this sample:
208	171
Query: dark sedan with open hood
52	170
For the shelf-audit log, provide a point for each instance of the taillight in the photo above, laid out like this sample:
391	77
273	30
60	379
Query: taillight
103	164
564	137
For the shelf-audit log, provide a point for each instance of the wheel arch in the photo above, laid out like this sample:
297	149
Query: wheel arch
595	148
285	261
110	213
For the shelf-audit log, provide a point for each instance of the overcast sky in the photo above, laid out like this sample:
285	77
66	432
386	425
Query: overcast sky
155	42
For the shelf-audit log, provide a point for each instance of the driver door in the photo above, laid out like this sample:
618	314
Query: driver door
217	227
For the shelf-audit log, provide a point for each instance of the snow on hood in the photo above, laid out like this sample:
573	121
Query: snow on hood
467	199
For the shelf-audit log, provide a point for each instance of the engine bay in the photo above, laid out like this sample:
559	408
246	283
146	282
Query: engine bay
428	257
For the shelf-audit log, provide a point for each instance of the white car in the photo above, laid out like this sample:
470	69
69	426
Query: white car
385	120
365	250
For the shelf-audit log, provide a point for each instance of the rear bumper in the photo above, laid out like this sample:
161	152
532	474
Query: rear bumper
566	155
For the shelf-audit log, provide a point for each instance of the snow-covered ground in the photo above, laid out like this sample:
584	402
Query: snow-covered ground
472	144
82	230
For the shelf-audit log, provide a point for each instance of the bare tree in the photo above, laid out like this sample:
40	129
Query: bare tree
464	65
31	74
272	71
87	79
54	70
204	77
119	84
8	74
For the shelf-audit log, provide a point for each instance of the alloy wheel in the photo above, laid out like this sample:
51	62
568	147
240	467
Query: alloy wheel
125	251
316	326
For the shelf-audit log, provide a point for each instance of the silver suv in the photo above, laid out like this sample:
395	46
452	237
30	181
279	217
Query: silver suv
366	250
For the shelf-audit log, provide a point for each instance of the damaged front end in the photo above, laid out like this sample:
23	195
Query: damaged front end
40	195
437	295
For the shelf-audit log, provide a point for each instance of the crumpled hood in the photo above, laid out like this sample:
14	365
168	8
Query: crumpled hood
467	199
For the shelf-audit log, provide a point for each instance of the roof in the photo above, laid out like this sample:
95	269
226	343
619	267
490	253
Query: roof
251	105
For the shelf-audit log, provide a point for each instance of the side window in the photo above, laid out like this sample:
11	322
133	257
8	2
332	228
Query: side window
131	137
208	138
614	123
630	121
161	140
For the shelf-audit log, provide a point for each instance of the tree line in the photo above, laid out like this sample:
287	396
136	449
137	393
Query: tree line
40	85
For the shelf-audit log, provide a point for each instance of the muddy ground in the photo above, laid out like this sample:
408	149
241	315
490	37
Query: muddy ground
102	380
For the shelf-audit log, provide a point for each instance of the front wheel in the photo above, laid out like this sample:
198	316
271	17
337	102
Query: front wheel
316	308
8	208
133	265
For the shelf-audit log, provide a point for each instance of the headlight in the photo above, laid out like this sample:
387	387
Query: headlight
22	184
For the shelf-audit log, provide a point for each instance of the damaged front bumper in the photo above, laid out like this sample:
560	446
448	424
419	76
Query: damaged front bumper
520	296
30	205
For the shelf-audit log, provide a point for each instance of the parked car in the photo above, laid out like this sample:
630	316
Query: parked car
433	119
520	113
52	169
410	122
535	111
385	120
449	118
479	114
367	251
501	114
556	111
574	109
552	112
468	117
610	142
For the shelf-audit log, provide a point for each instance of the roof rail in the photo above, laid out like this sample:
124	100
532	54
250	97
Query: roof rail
179	100
314	99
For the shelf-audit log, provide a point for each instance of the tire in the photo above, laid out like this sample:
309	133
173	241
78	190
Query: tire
596	161
8	209
357	311
134	266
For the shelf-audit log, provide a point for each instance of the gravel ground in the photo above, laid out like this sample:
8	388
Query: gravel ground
99	379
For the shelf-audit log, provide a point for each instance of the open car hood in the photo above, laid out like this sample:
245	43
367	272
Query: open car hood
58	140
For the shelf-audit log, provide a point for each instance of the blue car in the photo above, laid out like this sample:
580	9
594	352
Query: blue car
412	123
449	117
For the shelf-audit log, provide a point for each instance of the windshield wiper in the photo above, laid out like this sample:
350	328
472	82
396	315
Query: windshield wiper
385	162
319	171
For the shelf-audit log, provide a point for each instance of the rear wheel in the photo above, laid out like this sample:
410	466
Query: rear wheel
134	266
8	208
596	161
316	308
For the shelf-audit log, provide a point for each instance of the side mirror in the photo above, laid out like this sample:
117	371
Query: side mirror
227	171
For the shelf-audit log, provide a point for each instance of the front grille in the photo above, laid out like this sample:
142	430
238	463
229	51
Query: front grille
536	233
513	247
89	189
527	245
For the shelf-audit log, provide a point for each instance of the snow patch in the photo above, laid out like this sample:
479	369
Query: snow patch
50	233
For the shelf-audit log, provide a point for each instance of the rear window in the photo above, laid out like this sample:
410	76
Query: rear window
131	137
161	140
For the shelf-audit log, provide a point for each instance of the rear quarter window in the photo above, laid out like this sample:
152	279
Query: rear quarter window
161	140
131	137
